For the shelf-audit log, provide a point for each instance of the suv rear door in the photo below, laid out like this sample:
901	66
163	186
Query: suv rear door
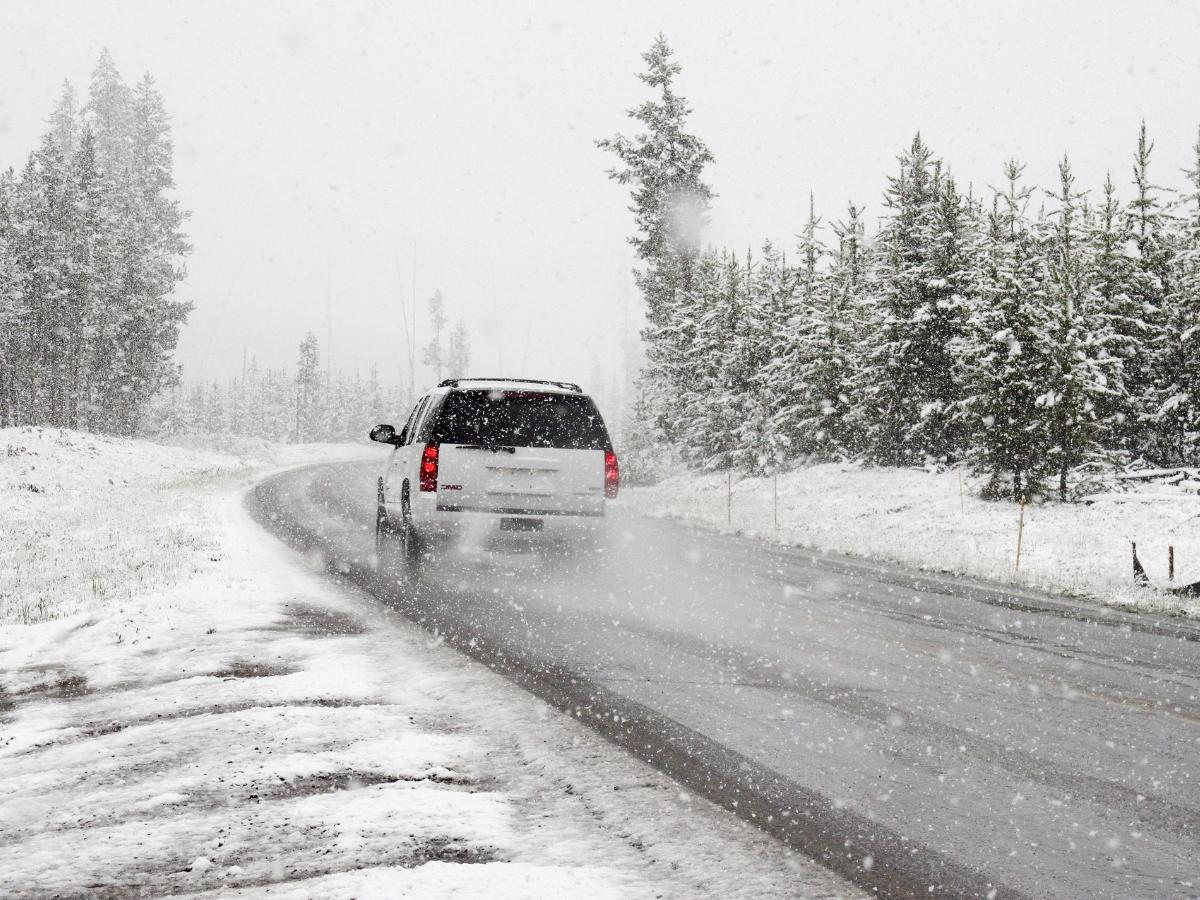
520	452
400	461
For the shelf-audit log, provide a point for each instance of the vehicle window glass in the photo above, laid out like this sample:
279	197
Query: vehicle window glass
521	419
424	423
414	419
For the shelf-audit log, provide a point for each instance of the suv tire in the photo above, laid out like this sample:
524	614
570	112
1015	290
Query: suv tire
410	543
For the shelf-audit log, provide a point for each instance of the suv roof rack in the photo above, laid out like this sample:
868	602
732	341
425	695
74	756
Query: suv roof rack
565	385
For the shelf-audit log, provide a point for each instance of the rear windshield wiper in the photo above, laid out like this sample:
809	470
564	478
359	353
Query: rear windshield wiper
495	448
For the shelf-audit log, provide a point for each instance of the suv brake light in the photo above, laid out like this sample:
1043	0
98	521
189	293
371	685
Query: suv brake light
612	475
429	467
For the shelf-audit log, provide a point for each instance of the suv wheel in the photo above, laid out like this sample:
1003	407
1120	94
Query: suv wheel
385	534
410	541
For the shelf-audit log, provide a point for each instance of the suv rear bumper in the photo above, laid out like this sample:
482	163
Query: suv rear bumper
538	513
449	521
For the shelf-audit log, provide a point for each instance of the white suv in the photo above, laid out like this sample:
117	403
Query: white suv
482	457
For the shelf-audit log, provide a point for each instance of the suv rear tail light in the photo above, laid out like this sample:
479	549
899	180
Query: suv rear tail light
612	475
429	467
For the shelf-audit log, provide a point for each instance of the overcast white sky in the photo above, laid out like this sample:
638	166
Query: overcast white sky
318	144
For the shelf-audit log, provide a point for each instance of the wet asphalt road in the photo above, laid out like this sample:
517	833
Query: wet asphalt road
921	736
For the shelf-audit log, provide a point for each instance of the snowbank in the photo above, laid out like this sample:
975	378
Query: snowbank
85	519
936	521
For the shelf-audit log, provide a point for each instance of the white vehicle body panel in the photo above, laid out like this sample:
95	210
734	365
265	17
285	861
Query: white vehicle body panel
525	481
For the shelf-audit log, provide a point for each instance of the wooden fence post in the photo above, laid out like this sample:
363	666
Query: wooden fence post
1020	533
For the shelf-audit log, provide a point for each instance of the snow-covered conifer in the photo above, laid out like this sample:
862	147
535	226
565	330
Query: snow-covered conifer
1150	225
1175	408
309	406
1073	332
801	347
1002	355
664	164
825	366
762	446
910	385
434	355
12	300
1118	316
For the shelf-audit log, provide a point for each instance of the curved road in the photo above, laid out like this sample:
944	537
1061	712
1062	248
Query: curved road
921	736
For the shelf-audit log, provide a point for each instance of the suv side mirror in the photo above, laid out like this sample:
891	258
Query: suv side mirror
384	434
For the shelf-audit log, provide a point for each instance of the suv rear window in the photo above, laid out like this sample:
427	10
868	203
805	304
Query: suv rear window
521	419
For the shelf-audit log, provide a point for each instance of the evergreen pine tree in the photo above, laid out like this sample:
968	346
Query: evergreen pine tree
1144	371
711	384
109	110
664	164
434	356
12	305
799	345
308	390
1003	354
762	446
824	361
911	385
1080	370
1118	315
1176	404
28	249
64	122
91	252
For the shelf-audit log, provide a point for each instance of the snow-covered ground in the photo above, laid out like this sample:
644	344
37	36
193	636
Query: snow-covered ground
223	720
86	518
936	521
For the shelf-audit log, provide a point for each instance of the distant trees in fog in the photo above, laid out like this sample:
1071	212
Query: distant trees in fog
309	403
91	249
1037	335
314	403
448	357
458	351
